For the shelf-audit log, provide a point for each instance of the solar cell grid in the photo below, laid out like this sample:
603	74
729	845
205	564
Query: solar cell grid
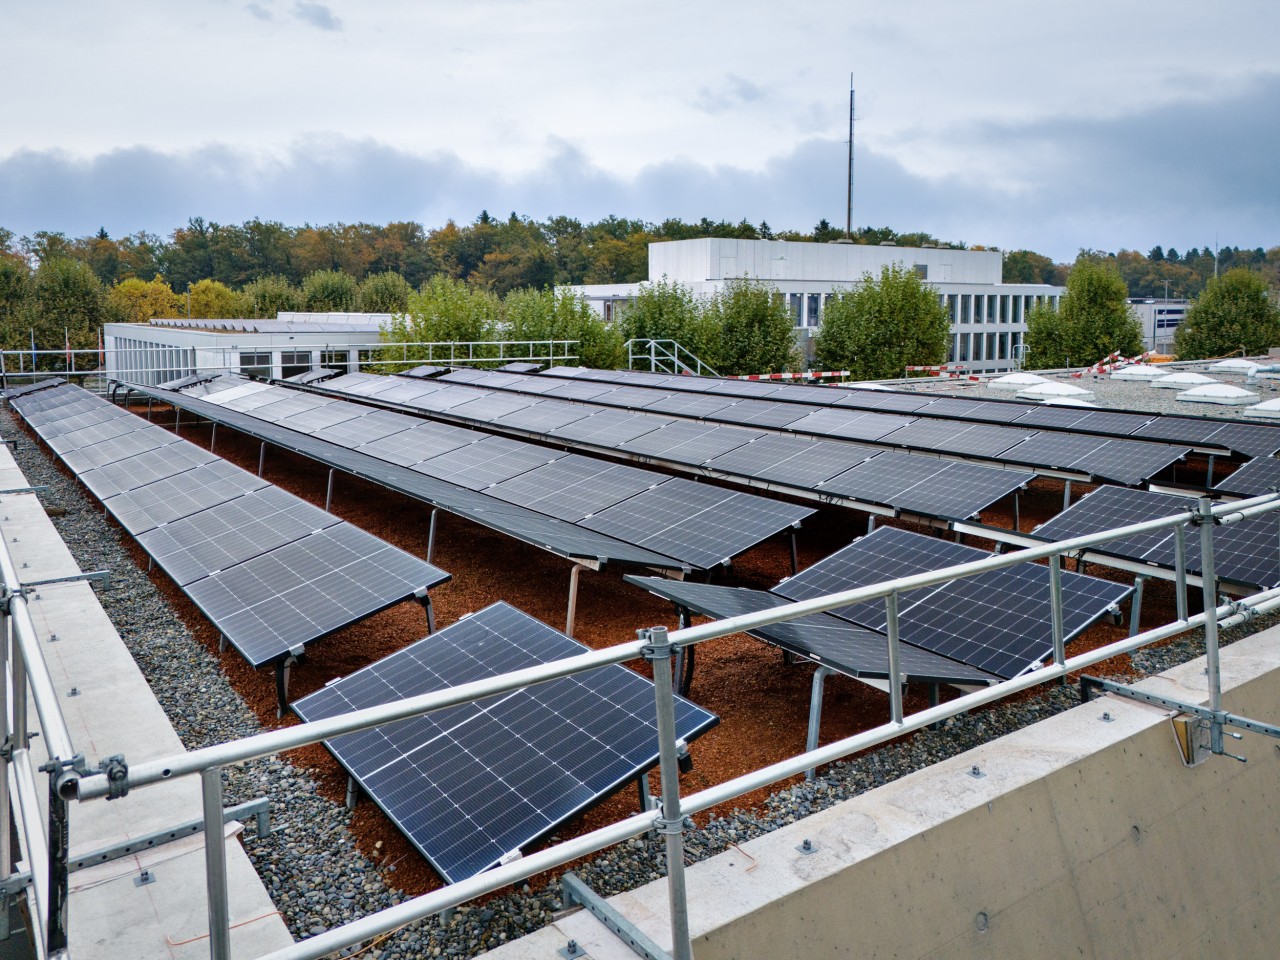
488	408
689	442
959	490
488	461
575	390
1055	450
791	460
883	400
130	444
1258	476
1110	507
90	416
236	391
311	421
611	427
95	434
1129	461
762	413
1051	416
129	473
370	426
849	424
245	402
1251	439
181	495
28	388
471	784
1192	430
420	442
287	406
447	397
407	391
690	405
574	487
736	388
54	413
544	416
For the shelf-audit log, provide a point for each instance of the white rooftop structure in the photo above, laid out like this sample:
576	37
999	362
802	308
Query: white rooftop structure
1067	402
988	317
1236	365
1016	381
1051	388
1221	393
1138	371
1268	409
1182	380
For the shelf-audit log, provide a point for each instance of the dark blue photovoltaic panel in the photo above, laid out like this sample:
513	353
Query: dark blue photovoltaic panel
181	495
472	785
998	621
1257	477
574	487
793	461
821	637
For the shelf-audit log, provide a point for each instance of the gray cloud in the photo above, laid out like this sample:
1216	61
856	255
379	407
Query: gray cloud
1173	177
733	91
316	14
259	11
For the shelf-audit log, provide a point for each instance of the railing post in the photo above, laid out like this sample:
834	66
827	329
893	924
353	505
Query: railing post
1210	591
670	824
1055	612
1180	567
215	865
895	684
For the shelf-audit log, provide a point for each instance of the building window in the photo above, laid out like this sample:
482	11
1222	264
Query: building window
1004	308
922	270
815	310
953	308
255	364
797	309
991	347
964	347
966	308
335	359
294	362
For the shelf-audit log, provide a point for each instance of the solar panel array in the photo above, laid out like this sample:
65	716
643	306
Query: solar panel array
648	518
824	469
994	624
1258	476
1245	553
1249	439
821	412
271	571
473	785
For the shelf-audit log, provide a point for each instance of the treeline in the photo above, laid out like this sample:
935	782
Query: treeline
496	255
1157	273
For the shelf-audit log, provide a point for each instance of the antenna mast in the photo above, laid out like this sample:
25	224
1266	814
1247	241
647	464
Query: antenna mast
848	222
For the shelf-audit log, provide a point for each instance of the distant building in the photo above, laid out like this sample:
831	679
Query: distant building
1160	318
988	317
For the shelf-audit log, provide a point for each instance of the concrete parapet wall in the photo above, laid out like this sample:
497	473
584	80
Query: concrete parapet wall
1084	838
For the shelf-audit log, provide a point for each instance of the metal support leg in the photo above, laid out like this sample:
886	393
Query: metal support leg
6	856
1017	513
1055	609
871	524
283	668
815	713
1208	478
1180	566
642	789
177	418
895	674
1210	590
795	560
671	822
353	793
213	436
215	865
1066	494
572	615
431	536
148	408
1135	605
959	537
59	849
262	457
425	600
328	495
684	657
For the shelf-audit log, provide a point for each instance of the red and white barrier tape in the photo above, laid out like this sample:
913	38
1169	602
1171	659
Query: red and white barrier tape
807	375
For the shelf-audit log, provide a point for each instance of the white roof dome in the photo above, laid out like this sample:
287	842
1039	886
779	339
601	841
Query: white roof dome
1183	380
1138	371
1016	381
1238	364
1052	389
1067	402
1269	409
1223	393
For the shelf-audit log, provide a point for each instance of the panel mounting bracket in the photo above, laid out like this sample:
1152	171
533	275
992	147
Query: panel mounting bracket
1192	722
577	892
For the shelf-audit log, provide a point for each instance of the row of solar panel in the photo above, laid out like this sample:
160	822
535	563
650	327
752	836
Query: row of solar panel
1250	439
695	524
854	473
993	625
1119	461
271	571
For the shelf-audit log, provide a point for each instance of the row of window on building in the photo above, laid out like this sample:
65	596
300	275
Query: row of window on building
139	361
975	347
292	362
806	308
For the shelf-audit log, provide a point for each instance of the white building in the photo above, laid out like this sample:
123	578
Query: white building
1160	318
988	317
152	353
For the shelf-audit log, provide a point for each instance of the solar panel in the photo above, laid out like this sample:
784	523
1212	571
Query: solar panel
491	406
424	371
288	406
245	402
445	398
883	400
690	405
687	442
521	367
420	442
373	425
998	621
1051	416
610	428
544	416
575	486
405	392
1195	430
1130	461
311	421
794	461
95	434
181	495
473	784
129	473
821	637
849	424
984	410
232	532
128	445
297	593
1250	439
762	413
579	391
1258	476
978	440
1057	451
731	388
29	388
92	415
940	489
1109	507
696	522
488	461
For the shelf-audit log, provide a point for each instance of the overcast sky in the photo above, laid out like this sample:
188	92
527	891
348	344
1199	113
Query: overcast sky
1101	123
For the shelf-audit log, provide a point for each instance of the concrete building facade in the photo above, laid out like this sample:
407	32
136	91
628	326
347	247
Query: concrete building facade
988	317
1160	318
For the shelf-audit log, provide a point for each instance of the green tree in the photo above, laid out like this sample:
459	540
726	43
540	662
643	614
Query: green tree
882	325
330	291
137	301
663	310
15	284
66	303
1233	315
384	293
269	295
1092	321
445	311
533	314
1027	266
755	330
214	300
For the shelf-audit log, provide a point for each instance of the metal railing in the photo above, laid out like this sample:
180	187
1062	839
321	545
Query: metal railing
666	356
658	646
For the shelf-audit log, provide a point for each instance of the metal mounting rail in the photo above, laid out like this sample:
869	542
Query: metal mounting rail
577	891
1202	718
